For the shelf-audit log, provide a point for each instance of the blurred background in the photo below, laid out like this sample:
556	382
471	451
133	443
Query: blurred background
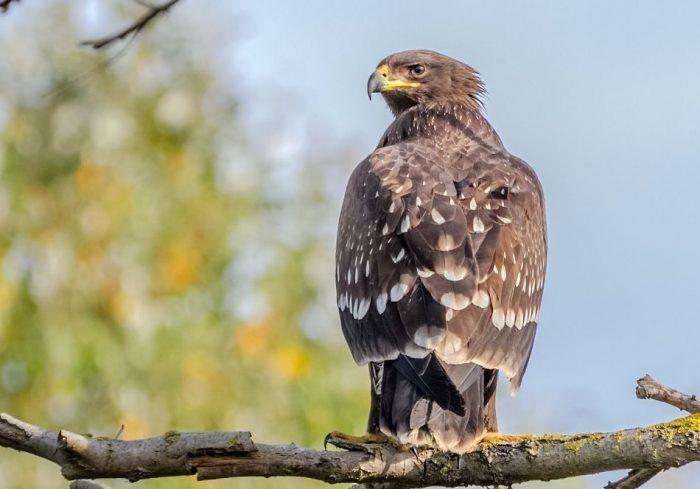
167	219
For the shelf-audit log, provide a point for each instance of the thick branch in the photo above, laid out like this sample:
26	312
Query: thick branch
217	455
134	28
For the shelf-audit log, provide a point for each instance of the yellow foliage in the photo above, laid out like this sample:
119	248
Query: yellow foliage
6	293
117	305
135	427
291	362
179	265
199	367
88	177
252	338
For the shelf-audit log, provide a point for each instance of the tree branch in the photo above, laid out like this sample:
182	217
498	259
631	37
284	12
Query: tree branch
132	29
5	4
233	454
648	388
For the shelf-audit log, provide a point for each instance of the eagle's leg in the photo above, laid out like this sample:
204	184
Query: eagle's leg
491	434
374	434
375	373
490	381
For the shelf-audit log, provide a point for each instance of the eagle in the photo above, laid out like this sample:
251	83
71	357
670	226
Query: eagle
440	258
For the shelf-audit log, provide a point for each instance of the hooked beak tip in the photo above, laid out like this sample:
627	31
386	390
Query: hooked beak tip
374	84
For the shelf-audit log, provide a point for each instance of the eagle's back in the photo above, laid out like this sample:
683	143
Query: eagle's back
441	253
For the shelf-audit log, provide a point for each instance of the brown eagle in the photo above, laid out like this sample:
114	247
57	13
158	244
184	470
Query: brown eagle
440	257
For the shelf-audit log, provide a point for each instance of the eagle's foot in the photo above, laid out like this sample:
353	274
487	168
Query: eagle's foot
361	443
496	438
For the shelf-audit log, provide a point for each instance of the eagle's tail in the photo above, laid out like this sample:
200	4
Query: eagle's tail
427	402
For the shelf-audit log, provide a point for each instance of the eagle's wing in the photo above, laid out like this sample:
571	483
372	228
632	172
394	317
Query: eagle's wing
442	251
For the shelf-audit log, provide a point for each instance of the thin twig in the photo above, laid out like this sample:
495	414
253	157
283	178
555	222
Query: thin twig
84	76
634	479
5	4
648	388
133	29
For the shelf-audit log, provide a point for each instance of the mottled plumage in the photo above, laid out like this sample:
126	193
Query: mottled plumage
440	258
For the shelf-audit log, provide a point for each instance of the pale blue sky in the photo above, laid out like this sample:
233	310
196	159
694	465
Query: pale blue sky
603	99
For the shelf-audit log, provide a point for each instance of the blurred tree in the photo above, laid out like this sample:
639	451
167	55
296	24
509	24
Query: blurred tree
159	269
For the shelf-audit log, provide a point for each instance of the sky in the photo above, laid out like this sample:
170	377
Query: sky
602	99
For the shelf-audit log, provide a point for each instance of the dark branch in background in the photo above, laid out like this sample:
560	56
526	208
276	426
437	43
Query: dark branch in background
503	461
134	28
5	4
648	388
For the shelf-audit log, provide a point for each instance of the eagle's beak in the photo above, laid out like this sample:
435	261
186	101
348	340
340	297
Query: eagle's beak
379	82
374	84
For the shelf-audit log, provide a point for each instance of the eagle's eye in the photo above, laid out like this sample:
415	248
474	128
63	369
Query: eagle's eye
500	193
417	70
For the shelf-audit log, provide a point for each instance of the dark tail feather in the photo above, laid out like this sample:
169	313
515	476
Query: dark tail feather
411	414
432	380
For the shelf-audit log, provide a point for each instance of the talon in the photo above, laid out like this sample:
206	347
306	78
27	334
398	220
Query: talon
357	443
494	438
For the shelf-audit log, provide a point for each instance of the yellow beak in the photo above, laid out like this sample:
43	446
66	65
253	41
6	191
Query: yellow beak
379	82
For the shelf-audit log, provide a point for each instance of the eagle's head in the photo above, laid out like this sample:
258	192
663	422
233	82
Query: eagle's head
416	77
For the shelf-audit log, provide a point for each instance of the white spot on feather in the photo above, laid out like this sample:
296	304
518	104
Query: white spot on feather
519	319
398	291
380	302
454	301
504	219
478	225
472	204
362	308
481	299
510	318
498	318
424	272
455	274
399	256
437	217
405	224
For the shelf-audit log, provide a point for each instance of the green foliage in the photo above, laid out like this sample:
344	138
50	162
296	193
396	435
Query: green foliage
146	279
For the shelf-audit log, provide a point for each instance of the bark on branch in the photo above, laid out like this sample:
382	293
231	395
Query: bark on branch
506	461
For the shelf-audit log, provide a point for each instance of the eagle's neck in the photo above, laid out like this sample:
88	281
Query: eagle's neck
438	120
